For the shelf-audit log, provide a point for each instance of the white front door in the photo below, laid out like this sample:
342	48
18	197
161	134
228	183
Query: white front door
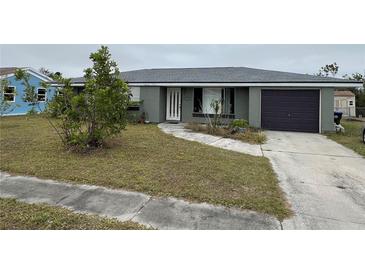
173	104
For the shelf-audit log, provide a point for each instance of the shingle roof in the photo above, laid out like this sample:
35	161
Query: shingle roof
6	71
220	75
344	93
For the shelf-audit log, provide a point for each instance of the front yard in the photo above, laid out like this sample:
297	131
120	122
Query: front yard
145	159
19	215
352	138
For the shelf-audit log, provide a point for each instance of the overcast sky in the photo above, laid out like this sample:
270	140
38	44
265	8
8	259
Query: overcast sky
71	60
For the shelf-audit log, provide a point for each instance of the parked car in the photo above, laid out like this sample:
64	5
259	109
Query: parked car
363	134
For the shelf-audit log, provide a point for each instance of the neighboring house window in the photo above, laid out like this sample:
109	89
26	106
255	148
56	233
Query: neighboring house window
337	103
9	94
136	93
351	103
59	92
41	95
203	98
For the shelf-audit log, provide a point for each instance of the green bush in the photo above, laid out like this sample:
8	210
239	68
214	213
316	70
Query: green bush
239	123
87	118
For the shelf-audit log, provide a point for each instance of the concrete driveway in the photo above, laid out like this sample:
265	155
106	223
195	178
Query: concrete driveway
324	181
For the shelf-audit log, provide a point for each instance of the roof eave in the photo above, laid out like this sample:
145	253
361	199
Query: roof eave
252	84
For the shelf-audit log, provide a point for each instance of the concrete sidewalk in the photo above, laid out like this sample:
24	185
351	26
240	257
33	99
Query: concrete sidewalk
160	213
179	131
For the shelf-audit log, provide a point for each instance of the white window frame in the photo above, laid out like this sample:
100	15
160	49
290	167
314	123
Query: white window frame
14	94
45	95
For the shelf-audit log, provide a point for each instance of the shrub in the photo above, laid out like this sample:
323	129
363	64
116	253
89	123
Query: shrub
239	123
132	118
251	136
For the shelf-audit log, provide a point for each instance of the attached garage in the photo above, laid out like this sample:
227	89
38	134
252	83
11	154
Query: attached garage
290	109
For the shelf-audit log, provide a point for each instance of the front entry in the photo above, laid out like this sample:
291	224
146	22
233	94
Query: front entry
173	104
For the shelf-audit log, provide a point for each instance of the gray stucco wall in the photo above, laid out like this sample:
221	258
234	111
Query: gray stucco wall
187	105
254	114
241	105
327	108
154	102
327	102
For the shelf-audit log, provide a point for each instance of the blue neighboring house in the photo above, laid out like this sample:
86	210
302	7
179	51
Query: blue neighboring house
15	91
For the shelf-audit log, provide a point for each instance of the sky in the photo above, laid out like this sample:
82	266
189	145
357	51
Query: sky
71	60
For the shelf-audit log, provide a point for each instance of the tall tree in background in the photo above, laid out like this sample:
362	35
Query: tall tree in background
356	76
50	74
328	70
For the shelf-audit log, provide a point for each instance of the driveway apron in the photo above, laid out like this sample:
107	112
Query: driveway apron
324	182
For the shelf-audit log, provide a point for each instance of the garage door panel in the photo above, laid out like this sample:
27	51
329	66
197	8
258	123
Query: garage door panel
293	110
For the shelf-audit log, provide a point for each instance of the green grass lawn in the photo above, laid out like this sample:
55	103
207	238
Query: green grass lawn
18	215
145	159
352	138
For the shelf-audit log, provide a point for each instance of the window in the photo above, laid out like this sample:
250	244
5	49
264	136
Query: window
59	92
229	100
204	96
9	94
41	95
351	103
198	100
135	91
210	95
337	103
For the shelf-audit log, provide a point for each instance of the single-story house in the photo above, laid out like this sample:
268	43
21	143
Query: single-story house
268	99
345	102
15	89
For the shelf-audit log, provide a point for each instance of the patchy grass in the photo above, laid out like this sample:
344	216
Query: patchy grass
145	159
19	215
251	135
352	138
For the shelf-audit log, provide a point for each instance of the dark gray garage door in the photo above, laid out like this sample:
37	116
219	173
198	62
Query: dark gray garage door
292	110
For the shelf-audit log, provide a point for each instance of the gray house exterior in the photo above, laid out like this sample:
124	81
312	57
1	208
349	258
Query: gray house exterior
268	99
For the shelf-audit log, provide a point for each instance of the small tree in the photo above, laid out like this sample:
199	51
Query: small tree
213	124
100	111
326	70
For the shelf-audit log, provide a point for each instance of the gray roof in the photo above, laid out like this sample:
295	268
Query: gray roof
220	75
